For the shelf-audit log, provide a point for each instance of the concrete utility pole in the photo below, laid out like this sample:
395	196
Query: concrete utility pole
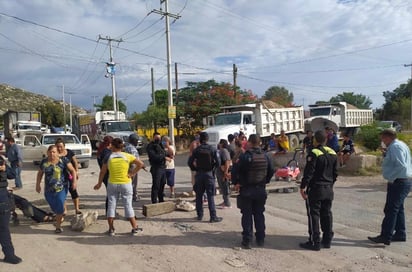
234	82
171	108
64	110
177	84
410	65
94	102
71	114
153	87
111	70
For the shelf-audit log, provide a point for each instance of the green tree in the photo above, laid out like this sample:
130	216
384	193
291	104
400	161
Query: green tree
201	99
107	104
193	103
397	105
358	100
51	114
280	95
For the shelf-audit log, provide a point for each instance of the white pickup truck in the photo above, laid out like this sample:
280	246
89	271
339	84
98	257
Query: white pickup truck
35	149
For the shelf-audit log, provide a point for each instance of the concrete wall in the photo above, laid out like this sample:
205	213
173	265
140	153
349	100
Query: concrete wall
356	161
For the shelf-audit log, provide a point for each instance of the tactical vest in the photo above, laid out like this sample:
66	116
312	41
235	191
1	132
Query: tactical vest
257	169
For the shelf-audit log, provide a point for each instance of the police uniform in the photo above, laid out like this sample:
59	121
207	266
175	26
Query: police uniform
205	181
318	179
157	159
5	209
252	175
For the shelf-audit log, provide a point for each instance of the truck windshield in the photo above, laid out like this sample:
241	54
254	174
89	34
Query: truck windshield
118	126
319	111
228	119
28	127
67	139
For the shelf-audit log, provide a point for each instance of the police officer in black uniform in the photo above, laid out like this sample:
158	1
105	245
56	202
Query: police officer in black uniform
250	174
205	177
317	189
5	209
157	159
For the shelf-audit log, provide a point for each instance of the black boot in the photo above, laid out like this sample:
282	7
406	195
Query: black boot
310	246
13	259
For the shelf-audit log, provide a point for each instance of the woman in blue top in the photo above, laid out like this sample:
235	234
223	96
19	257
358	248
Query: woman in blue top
56	186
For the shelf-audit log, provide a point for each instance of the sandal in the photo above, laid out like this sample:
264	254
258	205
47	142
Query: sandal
58	230
49	218
79	212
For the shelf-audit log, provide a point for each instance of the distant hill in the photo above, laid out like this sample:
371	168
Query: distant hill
16	99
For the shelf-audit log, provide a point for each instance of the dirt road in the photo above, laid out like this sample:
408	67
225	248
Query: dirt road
177	242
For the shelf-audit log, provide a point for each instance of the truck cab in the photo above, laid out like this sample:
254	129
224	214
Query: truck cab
227	123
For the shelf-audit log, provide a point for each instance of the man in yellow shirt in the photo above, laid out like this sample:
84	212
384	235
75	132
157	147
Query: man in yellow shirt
283	143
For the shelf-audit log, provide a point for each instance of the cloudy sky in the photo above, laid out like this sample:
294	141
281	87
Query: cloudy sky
314	48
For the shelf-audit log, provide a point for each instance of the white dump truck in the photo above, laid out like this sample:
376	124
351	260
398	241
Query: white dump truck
263	118
340	116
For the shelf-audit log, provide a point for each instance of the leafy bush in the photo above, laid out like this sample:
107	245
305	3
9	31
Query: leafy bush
369	137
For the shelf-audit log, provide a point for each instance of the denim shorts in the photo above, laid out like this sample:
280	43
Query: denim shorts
123	192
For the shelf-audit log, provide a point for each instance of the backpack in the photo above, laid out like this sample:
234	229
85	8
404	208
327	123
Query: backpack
257	168
204	158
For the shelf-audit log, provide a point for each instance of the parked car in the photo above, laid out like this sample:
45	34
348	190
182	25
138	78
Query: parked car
81	148
35	149
394	125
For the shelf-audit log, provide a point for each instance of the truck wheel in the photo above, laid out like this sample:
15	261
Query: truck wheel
84	164
293	141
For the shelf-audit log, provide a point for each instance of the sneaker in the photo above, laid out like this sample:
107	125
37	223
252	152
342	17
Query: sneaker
223	206
172	195
215	219
199	218
111	232
136	230
58	230
379	240
13	259
310	246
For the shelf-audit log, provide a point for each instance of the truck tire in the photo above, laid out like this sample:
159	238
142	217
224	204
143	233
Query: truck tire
293	141
84	164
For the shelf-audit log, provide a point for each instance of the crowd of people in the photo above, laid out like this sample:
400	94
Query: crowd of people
235	161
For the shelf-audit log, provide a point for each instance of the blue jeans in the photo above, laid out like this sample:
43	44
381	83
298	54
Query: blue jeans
394	220
205	182
224	186
17	180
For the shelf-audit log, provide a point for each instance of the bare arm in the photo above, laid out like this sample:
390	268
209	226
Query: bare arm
138	165
102	173
75	164
38	180
73	172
